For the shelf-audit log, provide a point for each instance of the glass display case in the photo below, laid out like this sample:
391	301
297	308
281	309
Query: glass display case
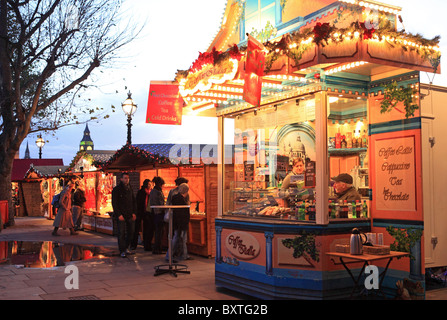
250	199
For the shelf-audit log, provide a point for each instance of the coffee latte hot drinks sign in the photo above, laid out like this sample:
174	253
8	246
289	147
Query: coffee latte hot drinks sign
395	174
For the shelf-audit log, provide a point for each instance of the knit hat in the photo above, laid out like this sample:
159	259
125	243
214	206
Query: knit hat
183	188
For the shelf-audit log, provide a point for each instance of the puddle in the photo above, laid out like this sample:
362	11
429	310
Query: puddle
27	254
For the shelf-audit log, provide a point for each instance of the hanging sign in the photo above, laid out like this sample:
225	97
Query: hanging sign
209	75
254	70
165	104
395	174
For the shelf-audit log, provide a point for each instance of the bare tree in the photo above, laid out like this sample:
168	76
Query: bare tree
48	50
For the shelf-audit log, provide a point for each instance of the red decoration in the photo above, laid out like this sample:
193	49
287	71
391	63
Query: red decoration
235	53
317	76
321	31
367	32
254	70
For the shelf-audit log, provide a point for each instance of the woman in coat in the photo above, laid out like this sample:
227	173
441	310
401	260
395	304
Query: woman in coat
64	217
157	198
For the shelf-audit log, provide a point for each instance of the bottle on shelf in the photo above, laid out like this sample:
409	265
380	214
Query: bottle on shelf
344	144
350	211
355	143
337	210
354	211
364	139
349	138
338	140
346	209
364	209
358	209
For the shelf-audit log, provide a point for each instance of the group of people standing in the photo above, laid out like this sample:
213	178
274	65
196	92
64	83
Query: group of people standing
133	213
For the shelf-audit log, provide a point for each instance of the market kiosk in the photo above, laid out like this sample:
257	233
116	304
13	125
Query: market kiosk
340	90
98	189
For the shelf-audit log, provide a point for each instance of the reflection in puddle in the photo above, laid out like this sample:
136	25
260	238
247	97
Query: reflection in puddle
48	254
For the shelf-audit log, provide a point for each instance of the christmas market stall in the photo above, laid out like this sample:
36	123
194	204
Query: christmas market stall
51	183
325	100
32	186
98	187
197	163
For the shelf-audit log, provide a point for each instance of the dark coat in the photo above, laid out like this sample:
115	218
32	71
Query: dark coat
141	201
181	215
123	201
349	195
157	198
79	198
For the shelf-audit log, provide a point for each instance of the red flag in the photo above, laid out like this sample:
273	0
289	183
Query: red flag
254	70
255	57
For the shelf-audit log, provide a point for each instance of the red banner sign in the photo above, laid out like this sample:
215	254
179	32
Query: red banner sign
254	70
165	104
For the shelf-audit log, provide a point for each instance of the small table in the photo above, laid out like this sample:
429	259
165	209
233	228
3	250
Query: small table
172	268
366	259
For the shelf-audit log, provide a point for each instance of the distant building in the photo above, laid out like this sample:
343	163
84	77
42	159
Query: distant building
86	142
27	154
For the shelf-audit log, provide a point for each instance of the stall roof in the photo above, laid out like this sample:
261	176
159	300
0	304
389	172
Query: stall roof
44	172
318	46
147	156
21	166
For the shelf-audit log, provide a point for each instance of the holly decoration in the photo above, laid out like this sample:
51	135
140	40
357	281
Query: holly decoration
367	32
303	246
394	95
404	239
321	32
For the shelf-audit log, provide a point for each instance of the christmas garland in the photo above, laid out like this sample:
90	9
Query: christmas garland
394	95
79	155
140	153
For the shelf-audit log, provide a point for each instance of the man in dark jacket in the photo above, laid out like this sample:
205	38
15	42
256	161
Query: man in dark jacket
124	209
78	201
344	188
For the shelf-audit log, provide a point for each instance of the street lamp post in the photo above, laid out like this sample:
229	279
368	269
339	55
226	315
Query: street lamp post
129	108
40	143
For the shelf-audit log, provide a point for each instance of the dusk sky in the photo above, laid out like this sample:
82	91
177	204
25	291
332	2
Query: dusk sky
175	32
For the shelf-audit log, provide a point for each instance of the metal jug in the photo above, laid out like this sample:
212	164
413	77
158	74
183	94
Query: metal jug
357	242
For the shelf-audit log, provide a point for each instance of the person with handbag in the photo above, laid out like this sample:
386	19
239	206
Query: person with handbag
157	198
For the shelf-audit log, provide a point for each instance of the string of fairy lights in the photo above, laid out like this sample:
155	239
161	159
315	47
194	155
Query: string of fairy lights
229	92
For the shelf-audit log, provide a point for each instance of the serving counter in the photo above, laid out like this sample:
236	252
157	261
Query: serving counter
280	259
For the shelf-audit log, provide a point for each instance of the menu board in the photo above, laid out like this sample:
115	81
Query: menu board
395	174
310	175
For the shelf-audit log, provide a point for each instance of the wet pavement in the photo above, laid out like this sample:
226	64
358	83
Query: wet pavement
33	266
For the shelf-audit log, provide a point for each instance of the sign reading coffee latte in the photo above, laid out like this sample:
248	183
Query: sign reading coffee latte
242	245
395	174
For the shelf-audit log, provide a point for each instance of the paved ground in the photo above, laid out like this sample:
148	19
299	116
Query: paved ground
110	278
